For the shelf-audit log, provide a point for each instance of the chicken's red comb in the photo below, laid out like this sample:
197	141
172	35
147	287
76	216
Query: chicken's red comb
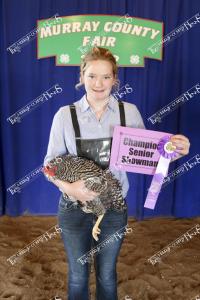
50	170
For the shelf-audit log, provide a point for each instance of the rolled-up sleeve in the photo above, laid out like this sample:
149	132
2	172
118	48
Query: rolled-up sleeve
56	145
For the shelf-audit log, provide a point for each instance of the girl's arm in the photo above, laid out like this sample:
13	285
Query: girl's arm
76	189
57	147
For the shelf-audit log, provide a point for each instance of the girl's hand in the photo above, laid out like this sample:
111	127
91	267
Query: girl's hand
78	191
182	144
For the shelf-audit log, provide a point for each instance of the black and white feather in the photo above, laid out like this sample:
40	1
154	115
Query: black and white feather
72	168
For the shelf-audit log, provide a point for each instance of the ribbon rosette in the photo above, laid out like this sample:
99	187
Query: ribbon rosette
165	148
167	152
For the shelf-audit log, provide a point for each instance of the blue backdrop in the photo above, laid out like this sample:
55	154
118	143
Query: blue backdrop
23	78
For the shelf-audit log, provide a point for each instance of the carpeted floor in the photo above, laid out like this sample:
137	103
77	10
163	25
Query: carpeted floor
41	273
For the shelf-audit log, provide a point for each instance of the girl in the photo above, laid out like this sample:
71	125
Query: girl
85	129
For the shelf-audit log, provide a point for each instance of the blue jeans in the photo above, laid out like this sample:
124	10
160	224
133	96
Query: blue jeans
76	233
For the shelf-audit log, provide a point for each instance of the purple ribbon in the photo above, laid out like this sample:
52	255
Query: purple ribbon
163	147
167	152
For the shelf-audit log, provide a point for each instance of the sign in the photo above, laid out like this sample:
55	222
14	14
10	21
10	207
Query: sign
136	150
68	38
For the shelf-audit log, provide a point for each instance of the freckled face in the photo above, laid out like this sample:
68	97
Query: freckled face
98	79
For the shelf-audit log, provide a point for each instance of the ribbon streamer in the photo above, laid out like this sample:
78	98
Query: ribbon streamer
167	152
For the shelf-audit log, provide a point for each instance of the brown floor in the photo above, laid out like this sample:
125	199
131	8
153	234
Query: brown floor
41	274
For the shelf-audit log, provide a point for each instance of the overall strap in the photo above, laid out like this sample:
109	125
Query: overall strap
122	113
76	128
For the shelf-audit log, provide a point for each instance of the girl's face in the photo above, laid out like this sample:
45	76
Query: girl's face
98	79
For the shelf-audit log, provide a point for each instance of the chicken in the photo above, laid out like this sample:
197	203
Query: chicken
72	168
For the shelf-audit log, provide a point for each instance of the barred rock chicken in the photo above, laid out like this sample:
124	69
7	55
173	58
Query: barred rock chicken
72	168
